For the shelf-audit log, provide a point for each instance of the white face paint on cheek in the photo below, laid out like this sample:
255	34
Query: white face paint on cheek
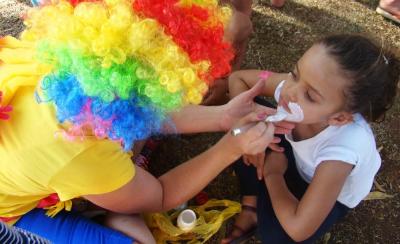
296	114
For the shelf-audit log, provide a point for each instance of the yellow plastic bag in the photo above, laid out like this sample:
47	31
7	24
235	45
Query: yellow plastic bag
210	217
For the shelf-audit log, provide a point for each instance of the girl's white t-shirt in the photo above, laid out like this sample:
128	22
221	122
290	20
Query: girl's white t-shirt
353	143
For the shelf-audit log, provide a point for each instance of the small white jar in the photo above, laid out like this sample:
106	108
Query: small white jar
186	220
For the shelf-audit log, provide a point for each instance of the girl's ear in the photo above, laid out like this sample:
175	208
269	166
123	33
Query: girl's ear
340	118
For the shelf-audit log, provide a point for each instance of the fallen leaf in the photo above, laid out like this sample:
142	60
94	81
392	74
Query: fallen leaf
377	195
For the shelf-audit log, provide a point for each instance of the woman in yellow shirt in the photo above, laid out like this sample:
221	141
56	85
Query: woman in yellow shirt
36	164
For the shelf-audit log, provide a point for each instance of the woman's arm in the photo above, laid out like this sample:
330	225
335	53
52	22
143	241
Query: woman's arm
194	119
300	219
144	193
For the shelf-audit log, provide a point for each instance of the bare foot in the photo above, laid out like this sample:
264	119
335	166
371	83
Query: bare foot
391	6
245	221
277	3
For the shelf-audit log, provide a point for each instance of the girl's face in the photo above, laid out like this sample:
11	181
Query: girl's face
317	85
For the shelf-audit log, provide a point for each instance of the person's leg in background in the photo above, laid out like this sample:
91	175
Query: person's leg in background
237	32
390	9
278	3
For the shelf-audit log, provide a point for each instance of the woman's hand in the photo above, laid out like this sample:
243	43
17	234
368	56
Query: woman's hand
254	140
275	164
243	104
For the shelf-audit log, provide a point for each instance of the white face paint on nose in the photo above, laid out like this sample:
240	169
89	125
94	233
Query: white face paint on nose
296	113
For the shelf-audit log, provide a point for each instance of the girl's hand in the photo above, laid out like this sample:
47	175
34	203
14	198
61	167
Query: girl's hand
275	164
254	140
259	159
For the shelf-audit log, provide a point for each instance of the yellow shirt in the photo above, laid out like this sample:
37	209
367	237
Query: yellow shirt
35	162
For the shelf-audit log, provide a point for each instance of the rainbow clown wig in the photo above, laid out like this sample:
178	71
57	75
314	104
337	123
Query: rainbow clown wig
119	67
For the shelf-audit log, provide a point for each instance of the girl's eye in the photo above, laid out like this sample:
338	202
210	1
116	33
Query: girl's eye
293	75
309	98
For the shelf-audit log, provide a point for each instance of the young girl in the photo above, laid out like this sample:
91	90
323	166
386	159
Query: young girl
330	158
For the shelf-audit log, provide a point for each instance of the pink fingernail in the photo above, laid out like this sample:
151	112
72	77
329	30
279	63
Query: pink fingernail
265	74
261	115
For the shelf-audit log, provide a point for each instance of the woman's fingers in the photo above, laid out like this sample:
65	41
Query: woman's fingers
248	122
260	108
263	135
255	132
255	90
251	118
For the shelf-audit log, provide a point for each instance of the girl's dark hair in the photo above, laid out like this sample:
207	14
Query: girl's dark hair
374	73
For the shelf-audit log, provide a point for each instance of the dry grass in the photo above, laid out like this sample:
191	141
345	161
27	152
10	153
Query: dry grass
280	37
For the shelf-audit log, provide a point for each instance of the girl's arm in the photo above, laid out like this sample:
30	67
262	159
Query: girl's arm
300	219
243	80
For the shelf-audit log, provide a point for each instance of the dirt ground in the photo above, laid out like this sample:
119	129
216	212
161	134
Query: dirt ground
280	37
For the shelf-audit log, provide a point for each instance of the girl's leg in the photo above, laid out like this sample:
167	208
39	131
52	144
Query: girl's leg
249	189
271	231
269	228
247	219
68	227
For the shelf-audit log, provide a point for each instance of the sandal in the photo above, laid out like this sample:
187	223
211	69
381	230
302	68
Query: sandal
387	14
244	235
143	158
